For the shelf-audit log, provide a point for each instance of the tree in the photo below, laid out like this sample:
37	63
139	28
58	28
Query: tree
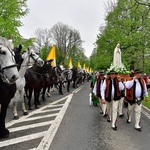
141	2
67	40
43	38
128	23
10	13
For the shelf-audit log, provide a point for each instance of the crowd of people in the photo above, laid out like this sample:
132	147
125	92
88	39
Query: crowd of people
110	91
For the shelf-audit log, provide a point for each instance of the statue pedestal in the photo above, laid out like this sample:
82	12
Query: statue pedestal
125	76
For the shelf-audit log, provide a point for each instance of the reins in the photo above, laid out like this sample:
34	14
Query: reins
10	66
46	74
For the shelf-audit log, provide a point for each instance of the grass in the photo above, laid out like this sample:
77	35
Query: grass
147	104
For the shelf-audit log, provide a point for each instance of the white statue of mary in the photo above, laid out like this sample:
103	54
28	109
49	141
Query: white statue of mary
117	56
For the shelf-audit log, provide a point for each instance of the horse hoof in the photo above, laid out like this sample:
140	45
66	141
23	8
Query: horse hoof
48	95
16	117
36	107
44	99
39	103
30	108
25	113
4	133
61	93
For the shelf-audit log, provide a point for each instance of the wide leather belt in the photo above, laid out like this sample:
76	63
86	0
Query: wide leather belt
138	100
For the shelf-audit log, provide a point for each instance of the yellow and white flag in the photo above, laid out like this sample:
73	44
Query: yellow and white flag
87	69
84	67
91	70
79	66
70	63
52	55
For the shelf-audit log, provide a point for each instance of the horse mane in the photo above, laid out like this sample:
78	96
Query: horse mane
7	43
59	68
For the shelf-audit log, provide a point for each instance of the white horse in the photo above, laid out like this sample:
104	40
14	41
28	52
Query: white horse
29	58
8	76
8	70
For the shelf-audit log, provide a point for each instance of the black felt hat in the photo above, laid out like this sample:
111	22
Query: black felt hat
112	72
101	73
137	71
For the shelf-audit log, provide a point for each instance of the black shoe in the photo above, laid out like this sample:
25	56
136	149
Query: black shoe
95	105
108	120
105	115
114	128
101	112
128	121
121	116
138	129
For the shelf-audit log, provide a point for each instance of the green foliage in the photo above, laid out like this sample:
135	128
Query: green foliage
43	53
129	24
147	104
10	13
26	43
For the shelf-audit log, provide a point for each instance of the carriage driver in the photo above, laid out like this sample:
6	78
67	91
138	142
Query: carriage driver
111	94
135	91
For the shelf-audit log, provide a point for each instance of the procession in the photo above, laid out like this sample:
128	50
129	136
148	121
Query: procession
112	91
74	75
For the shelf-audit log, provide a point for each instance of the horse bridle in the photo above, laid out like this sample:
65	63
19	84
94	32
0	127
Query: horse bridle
28	63
2	75
7	67
31	55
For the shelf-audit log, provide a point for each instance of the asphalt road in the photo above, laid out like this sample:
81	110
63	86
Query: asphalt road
68	123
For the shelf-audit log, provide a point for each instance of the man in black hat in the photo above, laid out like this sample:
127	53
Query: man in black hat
135	91
111	94
97	91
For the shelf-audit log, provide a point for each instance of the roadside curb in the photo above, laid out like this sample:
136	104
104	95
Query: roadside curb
146	109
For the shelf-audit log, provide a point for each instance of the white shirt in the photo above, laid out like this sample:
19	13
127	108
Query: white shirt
95	87
138	89
103	88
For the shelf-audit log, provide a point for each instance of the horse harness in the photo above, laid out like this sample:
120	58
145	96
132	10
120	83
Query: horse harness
2	75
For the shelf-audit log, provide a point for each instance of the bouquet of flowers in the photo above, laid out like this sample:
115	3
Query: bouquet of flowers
119	70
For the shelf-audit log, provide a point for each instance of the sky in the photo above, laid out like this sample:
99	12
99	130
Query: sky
86	16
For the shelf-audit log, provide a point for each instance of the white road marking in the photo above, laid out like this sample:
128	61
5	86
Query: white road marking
53	103
41	117
23	118
44	111
49	135
57	105
22	139
30	126
146	114
77	90
52	106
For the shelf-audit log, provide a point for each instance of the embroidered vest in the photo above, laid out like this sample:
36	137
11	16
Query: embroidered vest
98	87
117	93
130	93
